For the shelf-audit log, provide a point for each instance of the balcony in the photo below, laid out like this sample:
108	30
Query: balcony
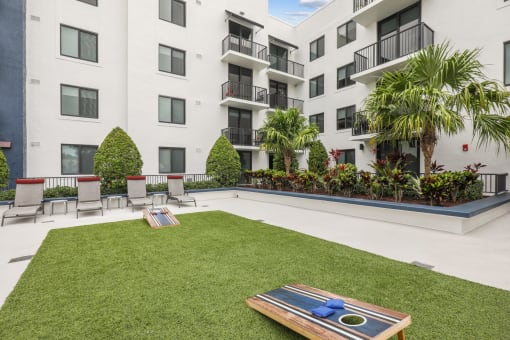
389	54
244	52
278	101
367	12
241	138
284	70
243	96
360	128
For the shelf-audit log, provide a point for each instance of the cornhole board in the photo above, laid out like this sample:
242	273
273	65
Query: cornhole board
160	217
291	305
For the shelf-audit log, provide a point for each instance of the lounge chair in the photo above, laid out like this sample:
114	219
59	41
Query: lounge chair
28	199
137	192
89	195
176	191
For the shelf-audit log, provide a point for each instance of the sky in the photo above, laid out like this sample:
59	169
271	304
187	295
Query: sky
294	11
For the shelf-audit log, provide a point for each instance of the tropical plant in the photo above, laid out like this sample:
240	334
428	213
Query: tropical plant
223	162
116	158
286	132
279	164
347	178
435	94
318	158
4	170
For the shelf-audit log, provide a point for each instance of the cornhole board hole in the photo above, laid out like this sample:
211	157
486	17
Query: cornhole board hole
291	306
160	218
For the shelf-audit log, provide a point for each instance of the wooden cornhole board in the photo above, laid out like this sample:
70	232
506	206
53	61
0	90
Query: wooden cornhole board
291	305
160	218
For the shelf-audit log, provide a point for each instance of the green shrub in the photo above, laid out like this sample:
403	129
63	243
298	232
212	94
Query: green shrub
223	162
4	170
472	192
61	191
7	195
157	187
116	158
202	185
318	158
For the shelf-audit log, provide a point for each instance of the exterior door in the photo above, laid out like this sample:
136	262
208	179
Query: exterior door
241	38
246	164
240	126
241	82
278	95
279	57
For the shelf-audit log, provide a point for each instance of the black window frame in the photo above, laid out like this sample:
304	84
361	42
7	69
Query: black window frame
347	81
349	111
506	66
171	21
317	121
79	159
347	37
89	2
172	49
317	48
316	79
80	88
79	44
344	152
171	110
171	148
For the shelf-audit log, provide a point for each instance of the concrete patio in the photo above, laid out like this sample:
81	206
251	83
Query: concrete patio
482	255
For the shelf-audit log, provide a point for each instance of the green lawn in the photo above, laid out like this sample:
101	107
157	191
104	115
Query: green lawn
126	281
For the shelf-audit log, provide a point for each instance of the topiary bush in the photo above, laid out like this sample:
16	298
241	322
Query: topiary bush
223	162
318	158
4	170
116	158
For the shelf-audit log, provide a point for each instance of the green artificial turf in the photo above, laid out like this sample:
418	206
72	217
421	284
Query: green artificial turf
124	280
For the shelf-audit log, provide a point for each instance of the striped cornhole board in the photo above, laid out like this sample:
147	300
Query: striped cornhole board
291	306
161	217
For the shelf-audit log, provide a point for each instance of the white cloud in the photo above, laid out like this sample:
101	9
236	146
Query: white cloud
313	3
297	14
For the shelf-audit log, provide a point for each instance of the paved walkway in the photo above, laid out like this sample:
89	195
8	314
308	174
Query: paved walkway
482	256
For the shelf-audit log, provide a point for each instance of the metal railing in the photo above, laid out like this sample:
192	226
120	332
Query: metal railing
360	125
235	43
494	183
53	182
279	101
359	4
285	65
242	136
243	91
399	45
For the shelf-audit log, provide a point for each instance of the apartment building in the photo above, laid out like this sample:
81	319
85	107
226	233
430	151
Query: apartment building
176	74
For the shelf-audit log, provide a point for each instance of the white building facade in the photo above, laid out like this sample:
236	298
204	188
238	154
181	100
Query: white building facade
176	74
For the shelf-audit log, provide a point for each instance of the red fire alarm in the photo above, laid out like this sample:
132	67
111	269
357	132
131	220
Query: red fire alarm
465	147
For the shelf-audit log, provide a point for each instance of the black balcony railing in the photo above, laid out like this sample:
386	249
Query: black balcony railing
237	44
287	66
359	4
278	101
243	91
241	136
360	125
399	45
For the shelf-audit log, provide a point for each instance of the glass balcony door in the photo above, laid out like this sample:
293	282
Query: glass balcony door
240	126
279	58
241	81
242	38
278	95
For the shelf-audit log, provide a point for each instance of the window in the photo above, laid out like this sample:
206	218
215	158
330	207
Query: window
507	63
77	159
172	60
173	11
345	117
343	76
90	2
347	156
318	120
317	48
172	160
77	43
317	86
346	34
78	101
172	110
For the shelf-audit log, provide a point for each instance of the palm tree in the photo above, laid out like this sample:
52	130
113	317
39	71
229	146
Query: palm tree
435	94
286	131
